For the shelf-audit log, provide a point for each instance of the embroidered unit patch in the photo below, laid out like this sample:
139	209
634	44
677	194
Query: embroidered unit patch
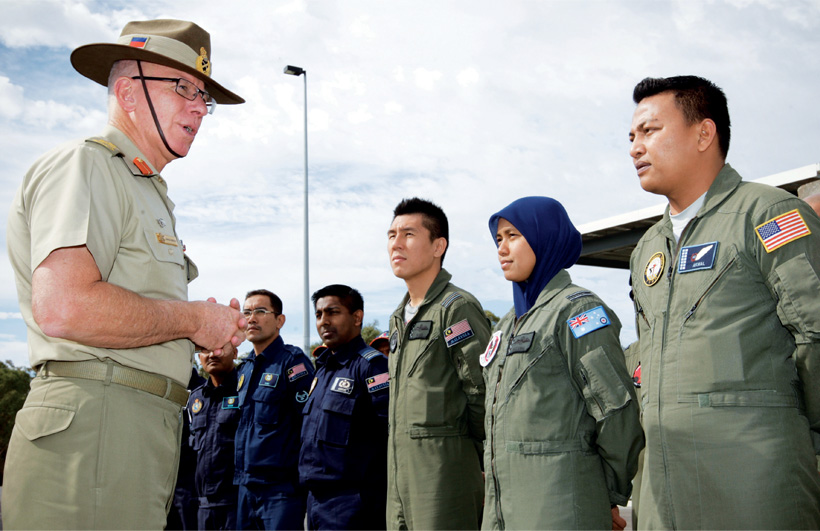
492	348
589	321
269	379
654	269
342	385
458	333
230	402
781	230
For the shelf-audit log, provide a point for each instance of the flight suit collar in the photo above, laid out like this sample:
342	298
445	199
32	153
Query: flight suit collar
723	186
435	289
558	283
343	356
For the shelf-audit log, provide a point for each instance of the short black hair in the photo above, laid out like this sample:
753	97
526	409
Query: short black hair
696	97
275	301
348	296
432	217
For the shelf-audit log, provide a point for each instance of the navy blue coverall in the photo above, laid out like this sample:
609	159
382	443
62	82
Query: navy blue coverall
214	413
343	461
273	388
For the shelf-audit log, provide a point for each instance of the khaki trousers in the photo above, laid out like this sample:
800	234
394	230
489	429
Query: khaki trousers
88	454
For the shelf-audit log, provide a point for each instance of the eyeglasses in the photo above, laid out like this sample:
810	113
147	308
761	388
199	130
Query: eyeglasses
257	312
186	89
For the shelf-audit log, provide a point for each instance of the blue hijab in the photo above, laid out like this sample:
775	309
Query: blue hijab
553	238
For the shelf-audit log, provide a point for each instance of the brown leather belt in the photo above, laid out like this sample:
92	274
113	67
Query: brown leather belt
111	372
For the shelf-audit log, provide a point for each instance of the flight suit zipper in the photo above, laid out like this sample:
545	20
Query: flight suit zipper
708	289
499	516
669	280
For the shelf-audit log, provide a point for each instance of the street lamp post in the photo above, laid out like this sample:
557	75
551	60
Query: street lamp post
296	71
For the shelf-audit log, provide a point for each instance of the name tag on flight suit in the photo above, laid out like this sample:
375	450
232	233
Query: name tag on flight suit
520	343
421	330
342	385
697	257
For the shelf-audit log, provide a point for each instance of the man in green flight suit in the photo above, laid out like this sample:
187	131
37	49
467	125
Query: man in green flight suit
725	288
436	413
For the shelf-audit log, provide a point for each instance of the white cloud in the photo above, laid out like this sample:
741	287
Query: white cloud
426	79
10	315
467	77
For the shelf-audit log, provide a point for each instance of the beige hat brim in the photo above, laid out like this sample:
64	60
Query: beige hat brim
94	61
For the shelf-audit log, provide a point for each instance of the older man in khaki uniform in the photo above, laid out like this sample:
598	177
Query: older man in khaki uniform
437	390
726	290
102	280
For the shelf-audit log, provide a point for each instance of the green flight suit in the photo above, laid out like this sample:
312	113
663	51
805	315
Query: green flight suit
436	411
562	423
729	341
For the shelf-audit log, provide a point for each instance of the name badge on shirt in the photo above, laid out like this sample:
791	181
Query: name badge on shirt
342	385
269	379
230	402
697	257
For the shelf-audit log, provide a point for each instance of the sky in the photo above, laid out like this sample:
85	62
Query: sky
471	104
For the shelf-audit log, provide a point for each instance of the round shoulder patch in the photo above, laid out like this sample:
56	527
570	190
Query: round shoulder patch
654	269
196	406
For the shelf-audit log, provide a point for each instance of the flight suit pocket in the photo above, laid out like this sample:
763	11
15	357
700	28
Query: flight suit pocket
40	421
604	392
425	404
798	287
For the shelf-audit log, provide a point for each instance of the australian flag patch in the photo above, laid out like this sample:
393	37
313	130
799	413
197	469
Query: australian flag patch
589	321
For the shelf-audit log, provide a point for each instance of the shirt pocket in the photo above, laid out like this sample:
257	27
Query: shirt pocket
227	421
337	416
267	401
199	423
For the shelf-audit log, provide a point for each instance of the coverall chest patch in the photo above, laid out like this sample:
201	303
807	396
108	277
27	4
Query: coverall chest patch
421	330
520	343
697	257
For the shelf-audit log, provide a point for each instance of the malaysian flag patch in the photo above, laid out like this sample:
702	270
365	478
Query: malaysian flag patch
458	333
138	42
781	230
296	372
378	382
589	321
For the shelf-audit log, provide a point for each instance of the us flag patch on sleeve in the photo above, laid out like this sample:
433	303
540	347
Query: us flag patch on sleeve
781	230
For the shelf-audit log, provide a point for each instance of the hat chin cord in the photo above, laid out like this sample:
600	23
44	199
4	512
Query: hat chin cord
154	114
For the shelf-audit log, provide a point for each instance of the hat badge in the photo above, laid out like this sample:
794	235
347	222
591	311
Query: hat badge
203	64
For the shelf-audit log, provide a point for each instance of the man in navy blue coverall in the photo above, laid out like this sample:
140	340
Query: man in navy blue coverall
214	411
273	388
343	461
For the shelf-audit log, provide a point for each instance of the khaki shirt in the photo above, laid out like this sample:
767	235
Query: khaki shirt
563	428
728	321
436	411
93	193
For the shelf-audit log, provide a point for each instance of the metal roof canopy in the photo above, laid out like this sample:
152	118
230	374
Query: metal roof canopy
609	242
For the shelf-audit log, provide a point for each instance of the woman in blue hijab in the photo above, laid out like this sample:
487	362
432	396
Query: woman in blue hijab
562	425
